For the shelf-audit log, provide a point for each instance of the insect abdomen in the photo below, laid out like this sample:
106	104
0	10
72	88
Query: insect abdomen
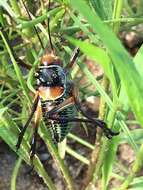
64	126
59	129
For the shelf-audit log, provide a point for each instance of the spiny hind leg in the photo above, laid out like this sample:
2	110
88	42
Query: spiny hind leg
108	132
100	123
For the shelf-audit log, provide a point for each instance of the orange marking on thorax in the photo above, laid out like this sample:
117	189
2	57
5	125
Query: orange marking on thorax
48	59
50	93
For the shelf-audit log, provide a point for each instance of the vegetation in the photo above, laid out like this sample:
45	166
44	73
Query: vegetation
120	87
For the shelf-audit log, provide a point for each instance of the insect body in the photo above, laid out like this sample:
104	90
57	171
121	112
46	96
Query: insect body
54	88
56	99
57	102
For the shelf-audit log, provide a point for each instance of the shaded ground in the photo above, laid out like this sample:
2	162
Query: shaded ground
32	181
7	163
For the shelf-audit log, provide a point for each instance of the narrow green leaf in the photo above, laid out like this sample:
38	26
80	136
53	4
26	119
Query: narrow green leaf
136	134
109	161
100	56
121	60
137	183
138	59
2	110
16	67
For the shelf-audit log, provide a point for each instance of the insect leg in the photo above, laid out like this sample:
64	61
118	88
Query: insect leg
21	134
33	144
69	119
61	106
73	58
38	114
108	132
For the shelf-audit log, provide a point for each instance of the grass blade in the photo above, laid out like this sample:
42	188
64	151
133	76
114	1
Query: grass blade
122	61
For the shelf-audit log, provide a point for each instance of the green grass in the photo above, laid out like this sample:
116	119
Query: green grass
100	23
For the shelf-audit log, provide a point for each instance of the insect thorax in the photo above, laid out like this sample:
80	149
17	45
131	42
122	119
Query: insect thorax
51	75
51	82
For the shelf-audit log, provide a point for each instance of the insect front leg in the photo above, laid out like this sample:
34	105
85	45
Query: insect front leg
73	58
100	123
21	134
38	115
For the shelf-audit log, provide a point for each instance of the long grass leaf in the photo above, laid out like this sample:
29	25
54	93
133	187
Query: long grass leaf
122	61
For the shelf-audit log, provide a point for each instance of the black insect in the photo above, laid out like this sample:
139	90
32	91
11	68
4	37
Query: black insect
56	99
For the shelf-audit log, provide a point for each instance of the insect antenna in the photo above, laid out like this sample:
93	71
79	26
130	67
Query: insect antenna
49	33
33	26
